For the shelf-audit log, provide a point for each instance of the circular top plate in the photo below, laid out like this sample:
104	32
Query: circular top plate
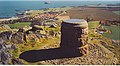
74	20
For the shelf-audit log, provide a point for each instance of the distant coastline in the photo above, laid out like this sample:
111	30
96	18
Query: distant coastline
8	8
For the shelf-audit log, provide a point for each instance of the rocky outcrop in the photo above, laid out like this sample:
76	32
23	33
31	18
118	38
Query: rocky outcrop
17	61
32	38
17	38
52	33
117	42
21	30
21	36
3	26
34	29
5	55
6	36
13	37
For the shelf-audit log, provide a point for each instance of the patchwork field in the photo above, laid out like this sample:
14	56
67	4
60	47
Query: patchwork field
115	32
19	24
116	12
94	13
114	29
93	24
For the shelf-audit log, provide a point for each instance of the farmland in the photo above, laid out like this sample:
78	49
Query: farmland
116	12
19	24
94	13
93	24
114	29
115	32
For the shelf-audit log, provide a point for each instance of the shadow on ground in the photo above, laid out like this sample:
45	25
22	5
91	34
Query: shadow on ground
49	54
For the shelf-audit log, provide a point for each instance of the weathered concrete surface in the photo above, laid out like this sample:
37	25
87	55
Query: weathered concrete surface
74	35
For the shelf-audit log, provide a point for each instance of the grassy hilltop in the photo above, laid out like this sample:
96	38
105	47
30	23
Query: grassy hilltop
102	48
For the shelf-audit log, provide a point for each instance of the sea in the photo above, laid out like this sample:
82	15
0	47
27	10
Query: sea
8	8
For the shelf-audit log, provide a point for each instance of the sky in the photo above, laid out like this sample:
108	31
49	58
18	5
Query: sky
59	0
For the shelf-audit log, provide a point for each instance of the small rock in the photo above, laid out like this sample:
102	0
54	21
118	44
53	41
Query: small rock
17	61
13	47
17	38
6	35
4	57
21	30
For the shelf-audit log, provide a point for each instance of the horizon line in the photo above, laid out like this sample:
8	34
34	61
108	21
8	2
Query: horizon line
53	0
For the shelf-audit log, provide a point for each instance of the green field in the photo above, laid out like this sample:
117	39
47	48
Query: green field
93	24
116	12
19	24
115	32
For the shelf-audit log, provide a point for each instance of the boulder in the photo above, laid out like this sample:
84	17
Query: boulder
17	38
13	46
3	46
21	30
57	34
52	26
36	27
42	32
8	46
52	33
42	36
5	57
0	46
17	61
32	38
5	27
26	28
6	35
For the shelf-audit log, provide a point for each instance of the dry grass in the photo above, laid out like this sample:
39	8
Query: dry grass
112	47
93	24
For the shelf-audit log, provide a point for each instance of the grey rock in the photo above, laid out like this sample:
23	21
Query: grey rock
52	33
17	61
6	35
5	26
21	30
52	26
17	38
8	46
4	57
13	47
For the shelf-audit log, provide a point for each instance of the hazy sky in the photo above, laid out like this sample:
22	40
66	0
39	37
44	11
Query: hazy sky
59	0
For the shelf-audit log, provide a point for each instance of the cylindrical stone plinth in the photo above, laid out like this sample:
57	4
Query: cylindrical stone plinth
74	35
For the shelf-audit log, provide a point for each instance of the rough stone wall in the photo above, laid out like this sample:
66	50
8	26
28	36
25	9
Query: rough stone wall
74	36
